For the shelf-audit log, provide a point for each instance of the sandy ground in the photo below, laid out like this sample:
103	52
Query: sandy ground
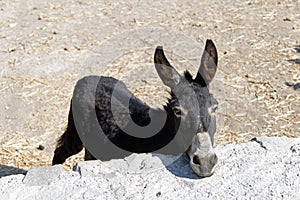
45	47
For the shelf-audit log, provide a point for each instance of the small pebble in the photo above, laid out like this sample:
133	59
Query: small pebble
287	19
41	147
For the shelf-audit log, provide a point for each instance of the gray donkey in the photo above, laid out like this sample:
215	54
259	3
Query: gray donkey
186	123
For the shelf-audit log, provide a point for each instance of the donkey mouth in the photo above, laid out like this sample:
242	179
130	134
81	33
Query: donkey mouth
205	175
204	166
200	173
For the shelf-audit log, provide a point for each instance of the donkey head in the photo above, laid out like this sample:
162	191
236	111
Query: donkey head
198	112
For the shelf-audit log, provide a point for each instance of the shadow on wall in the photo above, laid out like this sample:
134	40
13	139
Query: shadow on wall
8	170
182	168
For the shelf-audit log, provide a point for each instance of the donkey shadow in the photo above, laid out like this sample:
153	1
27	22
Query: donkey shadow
180	167
9	170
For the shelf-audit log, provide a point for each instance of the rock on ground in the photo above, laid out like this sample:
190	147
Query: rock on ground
264	168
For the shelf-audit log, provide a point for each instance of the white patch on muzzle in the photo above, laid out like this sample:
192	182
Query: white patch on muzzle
203	159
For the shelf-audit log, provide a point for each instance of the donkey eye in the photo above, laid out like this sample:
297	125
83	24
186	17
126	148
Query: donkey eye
214	108
177	111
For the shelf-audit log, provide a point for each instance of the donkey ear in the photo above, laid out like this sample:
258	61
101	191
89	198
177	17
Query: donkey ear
208	66
169	76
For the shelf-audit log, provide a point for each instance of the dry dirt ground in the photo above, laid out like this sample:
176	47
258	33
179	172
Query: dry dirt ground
46	46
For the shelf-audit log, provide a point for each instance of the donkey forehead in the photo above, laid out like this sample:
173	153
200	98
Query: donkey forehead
205	98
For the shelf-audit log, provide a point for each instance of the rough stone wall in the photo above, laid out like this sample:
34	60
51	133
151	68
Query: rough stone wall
264	168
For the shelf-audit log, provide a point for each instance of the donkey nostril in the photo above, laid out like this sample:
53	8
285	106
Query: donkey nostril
196	160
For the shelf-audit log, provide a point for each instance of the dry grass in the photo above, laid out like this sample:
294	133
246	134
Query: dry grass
49	100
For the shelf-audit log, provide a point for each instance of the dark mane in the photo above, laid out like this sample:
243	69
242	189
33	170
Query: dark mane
188	76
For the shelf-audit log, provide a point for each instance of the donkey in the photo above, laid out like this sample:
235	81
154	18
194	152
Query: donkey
187	122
